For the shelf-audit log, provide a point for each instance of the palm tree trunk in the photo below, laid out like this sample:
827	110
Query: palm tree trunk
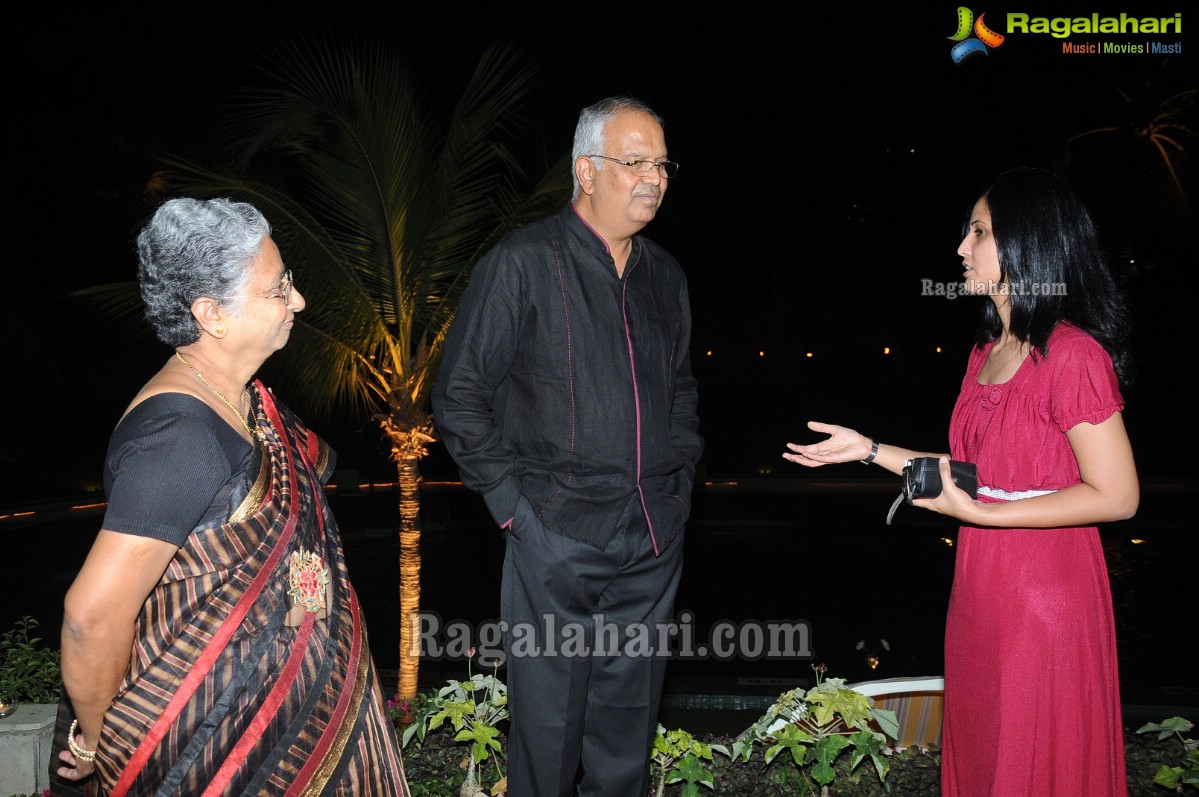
408	468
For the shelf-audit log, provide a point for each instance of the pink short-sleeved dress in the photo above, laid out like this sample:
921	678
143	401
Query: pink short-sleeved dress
1032	695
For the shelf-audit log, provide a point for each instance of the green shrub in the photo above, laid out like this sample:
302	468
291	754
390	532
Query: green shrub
29	670
1182	771
806	740
438	768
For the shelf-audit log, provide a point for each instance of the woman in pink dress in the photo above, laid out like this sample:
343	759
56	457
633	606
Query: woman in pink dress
1032	699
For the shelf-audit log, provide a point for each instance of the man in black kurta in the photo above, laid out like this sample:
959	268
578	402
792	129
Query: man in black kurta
566	398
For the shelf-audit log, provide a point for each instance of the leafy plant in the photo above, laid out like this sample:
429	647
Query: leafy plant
754	763
679	757
29	670
816	726
473	710
1175	777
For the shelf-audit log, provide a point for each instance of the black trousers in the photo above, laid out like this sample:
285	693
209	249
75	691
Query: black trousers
582	692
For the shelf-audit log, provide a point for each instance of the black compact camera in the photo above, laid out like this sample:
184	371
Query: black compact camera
922	479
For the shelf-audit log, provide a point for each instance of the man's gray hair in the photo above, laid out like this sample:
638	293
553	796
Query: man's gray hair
589	132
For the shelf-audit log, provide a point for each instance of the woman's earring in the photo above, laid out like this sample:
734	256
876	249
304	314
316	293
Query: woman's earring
219	330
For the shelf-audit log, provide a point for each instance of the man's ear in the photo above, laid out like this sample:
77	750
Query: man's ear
585	171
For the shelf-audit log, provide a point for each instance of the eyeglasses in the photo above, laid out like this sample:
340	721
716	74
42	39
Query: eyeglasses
283	291
667	168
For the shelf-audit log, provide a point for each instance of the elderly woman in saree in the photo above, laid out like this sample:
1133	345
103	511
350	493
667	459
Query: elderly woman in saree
212	642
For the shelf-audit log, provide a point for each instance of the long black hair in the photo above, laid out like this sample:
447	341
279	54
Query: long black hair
1050	255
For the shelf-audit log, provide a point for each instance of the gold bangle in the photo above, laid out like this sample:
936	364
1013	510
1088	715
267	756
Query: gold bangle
83	755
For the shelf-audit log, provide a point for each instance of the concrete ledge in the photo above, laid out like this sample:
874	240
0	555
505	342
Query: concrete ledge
25	739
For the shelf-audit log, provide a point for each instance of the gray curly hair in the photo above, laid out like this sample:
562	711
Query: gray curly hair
193	248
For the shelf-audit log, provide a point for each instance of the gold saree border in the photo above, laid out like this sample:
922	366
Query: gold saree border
257	494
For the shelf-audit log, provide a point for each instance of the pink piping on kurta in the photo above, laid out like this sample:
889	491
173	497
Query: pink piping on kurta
628	336
624	314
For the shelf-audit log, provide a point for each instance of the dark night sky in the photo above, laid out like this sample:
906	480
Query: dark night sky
827	158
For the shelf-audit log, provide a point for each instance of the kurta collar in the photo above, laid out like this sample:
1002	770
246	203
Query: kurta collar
590	238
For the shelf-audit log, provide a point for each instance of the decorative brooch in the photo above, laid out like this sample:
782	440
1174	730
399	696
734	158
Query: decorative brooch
308	580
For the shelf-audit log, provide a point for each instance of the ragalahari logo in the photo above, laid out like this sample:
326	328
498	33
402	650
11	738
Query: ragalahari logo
968	45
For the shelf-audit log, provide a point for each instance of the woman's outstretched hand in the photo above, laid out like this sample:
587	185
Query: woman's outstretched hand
841	445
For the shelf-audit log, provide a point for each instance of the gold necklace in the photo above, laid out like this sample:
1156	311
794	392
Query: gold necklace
255	432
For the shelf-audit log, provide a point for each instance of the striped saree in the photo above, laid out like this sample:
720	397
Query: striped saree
235	688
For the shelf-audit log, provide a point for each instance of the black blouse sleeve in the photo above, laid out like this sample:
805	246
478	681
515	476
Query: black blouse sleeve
169	462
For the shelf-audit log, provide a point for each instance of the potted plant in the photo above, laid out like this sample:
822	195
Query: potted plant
29	670
30	688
